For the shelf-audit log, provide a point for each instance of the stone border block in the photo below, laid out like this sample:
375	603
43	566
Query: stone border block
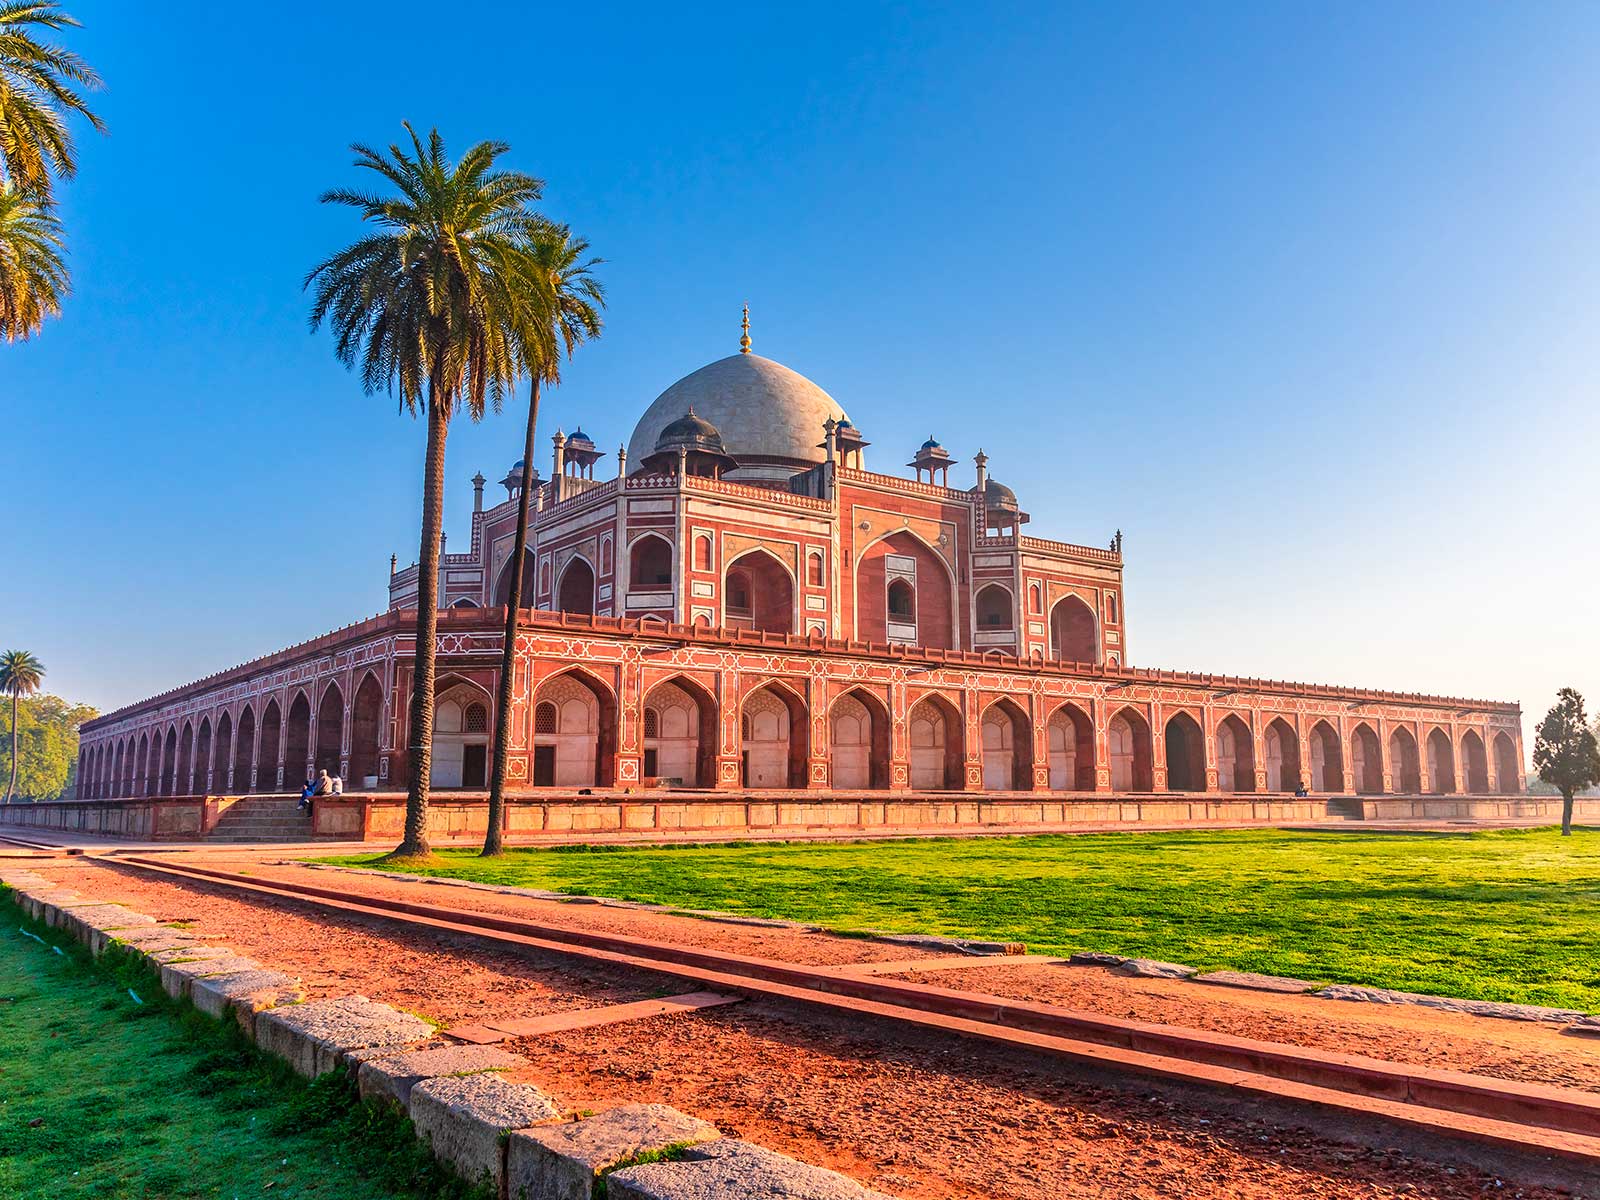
729	1168
177	978
244	994
393	1076
564	1162
315	1038
464	1119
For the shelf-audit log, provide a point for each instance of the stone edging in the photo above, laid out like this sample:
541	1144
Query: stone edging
510	1137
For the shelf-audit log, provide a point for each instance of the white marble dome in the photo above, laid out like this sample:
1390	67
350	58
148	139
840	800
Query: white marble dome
770	417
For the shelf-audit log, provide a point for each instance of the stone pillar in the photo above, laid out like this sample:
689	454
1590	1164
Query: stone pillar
899	738
729	742
1039	732
1385	767
818	751
1347	754
630	724
1208	737
972	741
1158	747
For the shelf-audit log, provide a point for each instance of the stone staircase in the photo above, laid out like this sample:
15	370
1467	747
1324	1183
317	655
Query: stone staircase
263	819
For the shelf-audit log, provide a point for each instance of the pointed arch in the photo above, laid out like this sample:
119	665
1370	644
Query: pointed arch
681	731
650	562
1282	757
1327	758
1007	747
183	780
895	568
125	767
148	773
938	749
222	754
1236	755
575	592
462	720
330	730
1129	755
759	593
202	756
297	742
1070	737
366	725
581	749
993	608
1507	772
169	761
1074	631
502	585
774	735
1474	764
858	740
1441	763
1405	762
1186	753
269	766
1366	760
244	750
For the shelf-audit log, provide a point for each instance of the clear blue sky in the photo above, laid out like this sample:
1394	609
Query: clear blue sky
1304	299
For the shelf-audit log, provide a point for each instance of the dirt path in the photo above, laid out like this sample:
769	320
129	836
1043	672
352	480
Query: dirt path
912	1114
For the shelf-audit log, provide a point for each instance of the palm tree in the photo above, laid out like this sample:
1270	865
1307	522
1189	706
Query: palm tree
33	277
566	313
20	675
37	82
428	304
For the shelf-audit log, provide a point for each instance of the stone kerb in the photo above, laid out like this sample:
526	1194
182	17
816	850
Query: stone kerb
393	1076
728	1168
465	1120
317	1037
564	1162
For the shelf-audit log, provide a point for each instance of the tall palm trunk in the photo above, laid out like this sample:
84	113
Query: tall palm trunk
420	743
11	788
494	838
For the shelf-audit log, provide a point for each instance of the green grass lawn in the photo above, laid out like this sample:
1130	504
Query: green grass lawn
1504	915
101	1096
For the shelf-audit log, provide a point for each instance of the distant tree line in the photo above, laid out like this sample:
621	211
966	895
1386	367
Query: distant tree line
47	748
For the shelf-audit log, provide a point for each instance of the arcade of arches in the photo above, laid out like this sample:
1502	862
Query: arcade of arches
766	743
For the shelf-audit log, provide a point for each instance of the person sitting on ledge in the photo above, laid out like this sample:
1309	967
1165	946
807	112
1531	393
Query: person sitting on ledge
306	792
1300	791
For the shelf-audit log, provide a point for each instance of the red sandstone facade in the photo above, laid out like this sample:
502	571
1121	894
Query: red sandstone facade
768	614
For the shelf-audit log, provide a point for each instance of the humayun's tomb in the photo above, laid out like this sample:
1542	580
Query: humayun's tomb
745	622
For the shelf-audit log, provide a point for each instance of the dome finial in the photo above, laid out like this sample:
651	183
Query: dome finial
744	337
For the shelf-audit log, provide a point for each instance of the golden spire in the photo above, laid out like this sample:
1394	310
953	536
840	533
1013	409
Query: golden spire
744	338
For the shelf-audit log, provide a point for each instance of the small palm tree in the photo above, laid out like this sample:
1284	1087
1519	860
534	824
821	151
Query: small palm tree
20	675
37	82
429	304
33	276
565	313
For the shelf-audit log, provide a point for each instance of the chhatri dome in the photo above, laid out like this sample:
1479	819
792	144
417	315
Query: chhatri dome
770	418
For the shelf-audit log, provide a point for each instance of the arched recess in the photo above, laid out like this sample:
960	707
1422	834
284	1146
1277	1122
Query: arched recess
202	757
1007	747
1236	755
1404	762
87	761
576	593
169	761
1441	763
1128	752
366	718
297	742
858	740
574	732
1282	757
125	764
905	591
1366	760
113	768
183	782
992	607
222	755
1070	735
1327	759
937	751
269	763
244	749
147	770
650	564
330	731
1507	773
502	587
758	593
774	732
1474	764
465	603
680	732
1186	754
1074	632
461	724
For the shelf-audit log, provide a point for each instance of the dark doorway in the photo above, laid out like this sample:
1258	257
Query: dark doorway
474	761
544	766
